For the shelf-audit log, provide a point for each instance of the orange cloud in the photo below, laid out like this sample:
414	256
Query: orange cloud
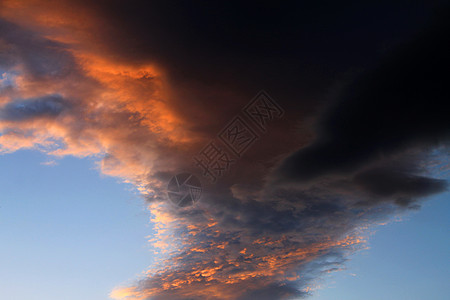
123	113
118	109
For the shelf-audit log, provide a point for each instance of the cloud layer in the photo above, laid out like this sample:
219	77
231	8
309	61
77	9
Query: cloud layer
144	87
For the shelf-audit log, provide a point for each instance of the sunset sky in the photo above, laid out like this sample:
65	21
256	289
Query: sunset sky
329	131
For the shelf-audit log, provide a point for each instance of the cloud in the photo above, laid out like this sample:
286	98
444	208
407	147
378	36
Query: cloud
64	98
40	57
19	110
144	87
385	183
395	107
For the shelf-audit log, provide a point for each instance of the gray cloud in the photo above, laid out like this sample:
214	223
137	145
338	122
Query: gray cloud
396	107
403	187
25	109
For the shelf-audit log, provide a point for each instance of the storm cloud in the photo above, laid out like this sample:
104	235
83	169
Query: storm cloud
144	86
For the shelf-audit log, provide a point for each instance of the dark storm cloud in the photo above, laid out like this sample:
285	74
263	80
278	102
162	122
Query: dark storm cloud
388	183
330	189
399	105
219	54
249	237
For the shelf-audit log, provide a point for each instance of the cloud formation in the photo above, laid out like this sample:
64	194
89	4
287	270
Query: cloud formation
397	106
143	87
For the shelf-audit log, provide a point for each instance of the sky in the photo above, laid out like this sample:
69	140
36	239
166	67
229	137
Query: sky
317	131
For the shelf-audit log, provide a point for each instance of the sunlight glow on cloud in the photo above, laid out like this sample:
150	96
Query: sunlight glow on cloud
263	236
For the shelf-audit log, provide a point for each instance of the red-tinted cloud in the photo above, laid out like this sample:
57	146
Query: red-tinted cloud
143	89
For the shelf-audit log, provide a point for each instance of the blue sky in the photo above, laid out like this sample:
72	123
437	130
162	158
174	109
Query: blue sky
67	230
408	259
